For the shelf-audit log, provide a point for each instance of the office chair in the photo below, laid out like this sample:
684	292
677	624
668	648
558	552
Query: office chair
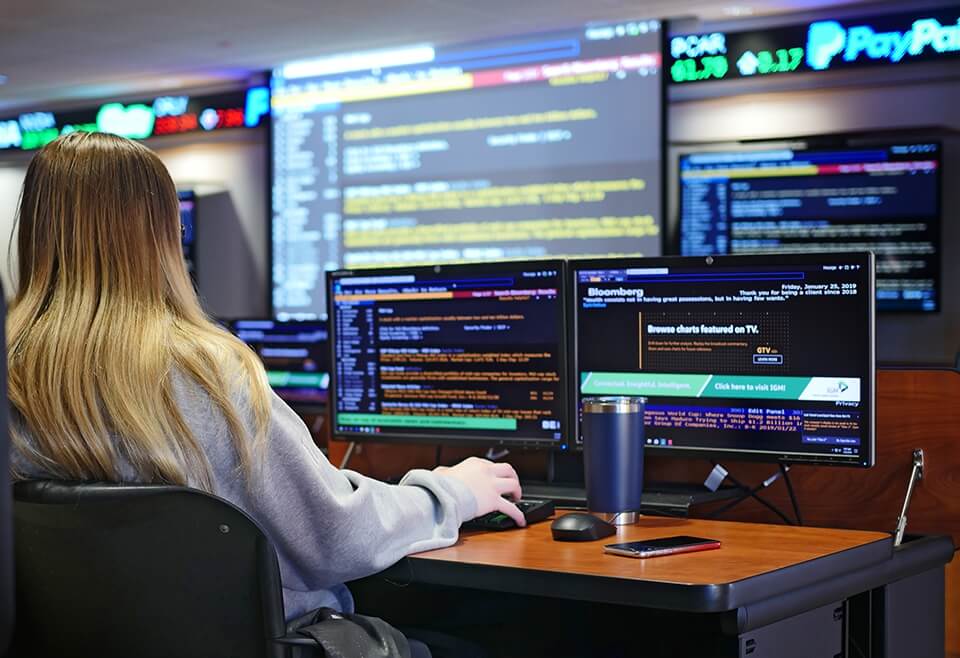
151	571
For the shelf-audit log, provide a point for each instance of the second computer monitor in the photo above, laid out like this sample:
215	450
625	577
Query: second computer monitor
739	357
451	353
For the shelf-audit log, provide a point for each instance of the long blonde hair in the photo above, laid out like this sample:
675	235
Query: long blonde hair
106	315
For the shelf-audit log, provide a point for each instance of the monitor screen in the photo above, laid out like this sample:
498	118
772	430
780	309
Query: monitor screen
450	353
739	357
885	199
296	356
188	228
532	146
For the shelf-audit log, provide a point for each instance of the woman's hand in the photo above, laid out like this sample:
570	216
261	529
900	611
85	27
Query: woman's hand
489	482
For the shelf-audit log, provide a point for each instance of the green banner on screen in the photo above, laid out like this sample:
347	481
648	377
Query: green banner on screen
721	386
428	422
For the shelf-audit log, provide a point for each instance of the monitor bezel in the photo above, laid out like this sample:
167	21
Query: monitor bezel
830	142
450	437
864	258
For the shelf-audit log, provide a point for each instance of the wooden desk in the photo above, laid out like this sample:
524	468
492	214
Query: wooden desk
770	592
752	559
915	409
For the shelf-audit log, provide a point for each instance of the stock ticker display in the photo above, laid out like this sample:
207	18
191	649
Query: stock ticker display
528	147
884	199
457	352
766	358
824	45
143	119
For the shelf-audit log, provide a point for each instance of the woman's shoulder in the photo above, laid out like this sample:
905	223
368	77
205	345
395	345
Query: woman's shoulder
202	413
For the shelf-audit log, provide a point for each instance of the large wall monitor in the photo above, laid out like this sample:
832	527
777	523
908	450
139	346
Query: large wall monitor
524	147
450	353
740	357
882	198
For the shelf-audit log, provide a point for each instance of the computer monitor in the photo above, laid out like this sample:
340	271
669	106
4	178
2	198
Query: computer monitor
881	197
528	146
457	353
188	224
765	358
295	355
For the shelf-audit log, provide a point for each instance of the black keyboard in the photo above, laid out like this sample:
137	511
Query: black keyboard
533	511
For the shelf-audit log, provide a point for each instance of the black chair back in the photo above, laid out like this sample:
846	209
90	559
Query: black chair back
6	524
115	571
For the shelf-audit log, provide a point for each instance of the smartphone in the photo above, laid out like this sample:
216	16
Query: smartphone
662	546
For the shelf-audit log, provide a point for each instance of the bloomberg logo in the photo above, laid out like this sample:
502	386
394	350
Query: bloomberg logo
827	39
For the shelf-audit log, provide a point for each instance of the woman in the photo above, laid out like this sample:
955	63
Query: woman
115	374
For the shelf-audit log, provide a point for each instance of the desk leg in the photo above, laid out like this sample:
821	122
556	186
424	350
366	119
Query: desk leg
814	634
904	619
913	616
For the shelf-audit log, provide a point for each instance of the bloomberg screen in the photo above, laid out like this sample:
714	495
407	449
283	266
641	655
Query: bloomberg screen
885	199
450	352
752	357
525	147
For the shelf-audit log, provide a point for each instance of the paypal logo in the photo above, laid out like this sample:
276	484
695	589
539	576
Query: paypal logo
824	40
827	39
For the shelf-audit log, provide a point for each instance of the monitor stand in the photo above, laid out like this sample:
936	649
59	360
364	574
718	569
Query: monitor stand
565	486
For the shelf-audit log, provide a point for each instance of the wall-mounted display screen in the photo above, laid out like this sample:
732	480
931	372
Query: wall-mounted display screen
823	45
881	198
164	115
525	147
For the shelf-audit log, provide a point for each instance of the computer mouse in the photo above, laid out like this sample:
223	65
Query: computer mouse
580	526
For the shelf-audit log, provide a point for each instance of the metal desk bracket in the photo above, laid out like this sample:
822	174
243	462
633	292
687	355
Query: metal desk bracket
916	474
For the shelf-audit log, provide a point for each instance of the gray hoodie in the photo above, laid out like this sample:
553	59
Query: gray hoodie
328	526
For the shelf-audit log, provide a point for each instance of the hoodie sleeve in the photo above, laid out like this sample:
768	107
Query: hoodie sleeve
329	525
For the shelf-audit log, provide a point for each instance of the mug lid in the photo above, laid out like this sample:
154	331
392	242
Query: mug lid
613	405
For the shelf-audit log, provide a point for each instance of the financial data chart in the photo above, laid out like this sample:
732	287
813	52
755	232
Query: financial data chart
884	199
527	147
747	356
450	353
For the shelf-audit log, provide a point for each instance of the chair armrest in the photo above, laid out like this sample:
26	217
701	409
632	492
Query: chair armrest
300	646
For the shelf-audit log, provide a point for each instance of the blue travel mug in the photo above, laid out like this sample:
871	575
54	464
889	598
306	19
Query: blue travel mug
613	437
